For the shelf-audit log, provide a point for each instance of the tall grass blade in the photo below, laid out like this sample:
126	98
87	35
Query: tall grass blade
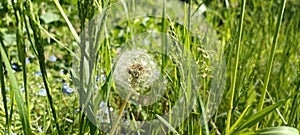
24	116
239	120
235	70
3	91
18	10
204	115
271	58
173	130
38	43
259	116
72	29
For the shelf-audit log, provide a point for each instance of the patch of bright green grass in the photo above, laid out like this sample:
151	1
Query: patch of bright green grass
260	40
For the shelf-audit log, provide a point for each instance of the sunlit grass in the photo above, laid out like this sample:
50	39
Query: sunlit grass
261	52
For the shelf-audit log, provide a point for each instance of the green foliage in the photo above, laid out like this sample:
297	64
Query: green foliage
260	40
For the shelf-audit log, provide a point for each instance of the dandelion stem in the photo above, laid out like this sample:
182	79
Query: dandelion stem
114	127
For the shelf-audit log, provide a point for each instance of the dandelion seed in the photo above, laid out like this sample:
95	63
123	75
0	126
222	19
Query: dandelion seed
135	68
202	8
136	73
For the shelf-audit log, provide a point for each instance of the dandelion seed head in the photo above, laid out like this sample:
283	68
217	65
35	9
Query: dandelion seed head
135	70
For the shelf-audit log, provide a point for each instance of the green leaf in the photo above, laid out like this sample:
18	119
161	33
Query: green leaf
18	96
239	120
259	115
50	17
275	131
9	38
167	124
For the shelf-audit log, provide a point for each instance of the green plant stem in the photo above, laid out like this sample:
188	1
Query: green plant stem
38	43
72	29
271	59
18	10
235	70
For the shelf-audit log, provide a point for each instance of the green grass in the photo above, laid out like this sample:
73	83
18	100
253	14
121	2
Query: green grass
259	41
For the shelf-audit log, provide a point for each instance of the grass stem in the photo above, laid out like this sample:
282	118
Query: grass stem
235	70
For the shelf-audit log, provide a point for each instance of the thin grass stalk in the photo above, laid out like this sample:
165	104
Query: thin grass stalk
271	59
203	112
239	120
277	110
164	47
18	10
235	70
47	87
72	29
187	50
26	23
162	120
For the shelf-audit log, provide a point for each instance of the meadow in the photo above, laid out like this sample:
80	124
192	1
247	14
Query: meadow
188	67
